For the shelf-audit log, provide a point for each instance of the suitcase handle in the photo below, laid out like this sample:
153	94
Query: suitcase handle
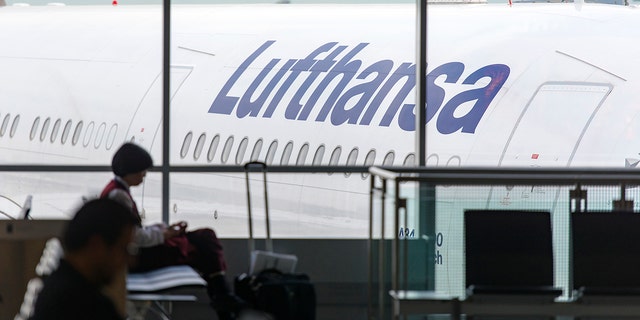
263	167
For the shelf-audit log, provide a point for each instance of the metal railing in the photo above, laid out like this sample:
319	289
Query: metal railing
387	181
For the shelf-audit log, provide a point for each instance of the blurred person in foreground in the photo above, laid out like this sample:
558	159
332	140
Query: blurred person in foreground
96	244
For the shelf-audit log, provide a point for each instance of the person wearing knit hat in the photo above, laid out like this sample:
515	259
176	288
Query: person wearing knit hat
161	245
130	158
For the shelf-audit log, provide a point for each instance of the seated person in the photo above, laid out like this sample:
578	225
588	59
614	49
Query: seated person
95	242
162	245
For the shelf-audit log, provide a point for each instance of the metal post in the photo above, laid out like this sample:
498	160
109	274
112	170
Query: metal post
421	76
166	89
381	244
372	188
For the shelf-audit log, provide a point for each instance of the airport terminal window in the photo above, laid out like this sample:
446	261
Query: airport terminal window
286	154
271	153
55	130
255	154
352	158
317	158
242	149
368	161
34	128
410	160
302	155
199	146
14	126
111	136
185	144
88	134
65	132
5	124
388	159
213	147
100	135
45	129
226	150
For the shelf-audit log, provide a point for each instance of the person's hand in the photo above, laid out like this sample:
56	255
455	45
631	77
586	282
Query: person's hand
175	230
181	226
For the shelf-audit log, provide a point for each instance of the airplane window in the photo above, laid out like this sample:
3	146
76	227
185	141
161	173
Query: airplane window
454	161
317	158
302	155
410	160
368	161
388	159
88	134
226	150
286	153
34	128
199	146
65	132
255	154
242	149
55	130
351	160
100	135
5	124
353	157
186	144
14	126
433	160
111	136
213	147
45	129
335	156
271	153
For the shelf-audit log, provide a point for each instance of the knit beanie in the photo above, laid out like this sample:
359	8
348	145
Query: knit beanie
130	158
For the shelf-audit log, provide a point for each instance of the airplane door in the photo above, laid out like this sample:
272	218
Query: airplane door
551	126
547	134
145	125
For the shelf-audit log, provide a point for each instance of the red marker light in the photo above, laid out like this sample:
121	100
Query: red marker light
534	156
115	2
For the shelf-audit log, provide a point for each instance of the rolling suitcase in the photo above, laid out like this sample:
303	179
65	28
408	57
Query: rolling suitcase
271	284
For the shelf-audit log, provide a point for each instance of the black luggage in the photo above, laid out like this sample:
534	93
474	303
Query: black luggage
283	295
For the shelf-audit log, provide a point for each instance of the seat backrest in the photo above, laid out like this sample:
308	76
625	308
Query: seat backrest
508	248
606	249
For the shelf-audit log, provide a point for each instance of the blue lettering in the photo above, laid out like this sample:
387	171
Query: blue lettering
252	108
272	106
405	70
347	69
224	104
398	100
359	103
449	123
340	115
435	97
319	67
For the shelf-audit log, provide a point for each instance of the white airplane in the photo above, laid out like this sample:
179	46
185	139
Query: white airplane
522	85
527	85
